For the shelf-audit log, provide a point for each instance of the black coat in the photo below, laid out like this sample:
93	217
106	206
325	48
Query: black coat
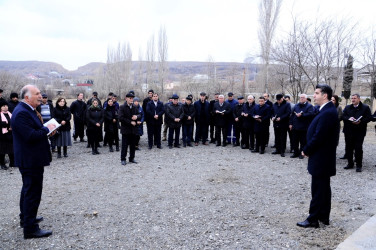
78	110
264	112
248	121
189	110
350	111
126	113
237	113
110	114
322	141
144	105
12	105
152	110
94	116
282	111
63	114
202	112
6	139
301	123
222	120
173	112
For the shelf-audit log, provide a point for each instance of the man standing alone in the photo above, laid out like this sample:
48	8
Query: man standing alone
78	109
322	140
32	153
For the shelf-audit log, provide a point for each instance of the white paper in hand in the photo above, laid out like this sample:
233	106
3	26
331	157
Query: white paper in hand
54	122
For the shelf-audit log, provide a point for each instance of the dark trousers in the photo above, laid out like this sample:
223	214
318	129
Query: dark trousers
218	131
319	208
354	142
261	137
128	140
280	139
212	132
187	133
300	138
112	137
202	130
79	128
171	132
291	139
237	133
11	159
231	132
31	193
154	134
248	138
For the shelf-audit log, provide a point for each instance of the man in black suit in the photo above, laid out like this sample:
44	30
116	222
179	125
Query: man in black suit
355	118
154	120
322	141
31	153
222	111
281	118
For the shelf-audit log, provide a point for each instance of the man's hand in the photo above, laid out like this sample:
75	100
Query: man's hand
156	117
133	123
189	118
134	117
290	126
63	122
177	120
236	119
51	126
97	124
304	155
113	120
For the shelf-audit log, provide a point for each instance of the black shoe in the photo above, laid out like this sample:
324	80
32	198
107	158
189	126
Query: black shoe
65	155
189	145
306	224
74	139
349	166
133	161
93	152
99	145
4	167
262	152
97	152
150	147
255	151
117	148
160	147
184	145
38	234
58	155
301	157
212	141
224	144
358	169
343	157
123	163
176	146
170	147
251	149
282	154
111	149
37	220
294	156
275	153
218	144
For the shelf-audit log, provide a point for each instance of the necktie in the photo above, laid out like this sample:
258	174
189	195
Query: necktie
39	116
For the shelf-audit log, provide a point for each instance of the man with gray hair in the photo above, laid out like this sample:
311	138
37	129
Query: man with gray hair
32	153
301	117
355	118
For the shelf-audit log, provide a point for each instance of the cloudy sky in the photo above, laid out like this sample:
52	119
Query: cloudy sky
76	32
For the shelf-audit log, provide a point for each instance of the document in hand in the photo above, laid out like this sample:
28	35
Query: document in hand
360	117
52	121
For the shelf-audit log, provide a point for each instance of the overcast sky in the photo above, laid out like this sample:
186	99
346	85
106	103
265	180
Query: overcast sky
76	32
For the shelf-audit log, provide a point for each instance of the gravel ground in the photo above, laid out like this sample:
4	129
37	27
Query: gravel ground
204	197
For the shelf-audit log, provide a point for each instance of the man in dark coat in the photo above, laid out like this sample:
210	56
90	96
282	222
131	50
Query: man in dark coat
202	119
355	118
261	114
128	117
248	123
188	121
78	110
13	102
322	141
154	115
270	104
237	113
212	118
174	117
94	97
32	153
146	101
222	111
231	134
281	118
300	119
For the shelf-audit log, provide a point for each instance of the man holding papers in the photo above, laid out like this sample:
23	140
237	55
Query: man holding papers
355	118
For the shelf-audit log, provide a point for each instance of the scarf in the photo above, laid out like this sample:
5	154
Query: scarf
4	119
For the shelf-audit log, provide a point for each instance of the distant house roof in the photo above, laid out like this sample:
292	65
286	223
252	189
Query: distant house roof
84	85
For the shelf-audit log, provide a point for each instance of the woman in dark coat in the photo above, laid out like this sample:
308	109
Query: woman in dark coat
111	125
6	137
63	116
140	127
94	121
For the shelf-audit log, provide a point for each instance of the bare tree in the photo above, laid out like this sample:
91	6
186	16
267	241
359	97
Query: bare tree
150	62
268	16
162	57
